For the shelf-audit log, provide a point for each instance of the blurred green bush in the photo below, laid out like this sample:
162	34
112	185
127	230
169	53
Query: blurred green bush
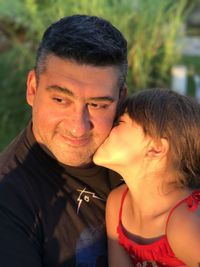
150	26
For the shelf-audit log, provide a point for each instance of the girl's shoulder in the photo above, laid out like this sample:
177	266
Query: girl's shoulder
186	210
115	199
183	229
119	189
117	193
113	207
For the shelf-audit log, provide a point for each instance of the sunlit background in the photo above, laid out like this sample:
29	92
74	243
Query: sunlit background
163	42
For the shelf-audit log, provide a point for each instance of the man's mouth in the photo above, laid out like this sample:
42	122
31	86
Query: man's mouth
75	141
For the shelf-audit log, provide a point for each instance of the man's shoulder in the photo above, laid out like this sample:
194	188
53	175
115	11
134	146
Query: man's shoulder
9	156
115	179
16	163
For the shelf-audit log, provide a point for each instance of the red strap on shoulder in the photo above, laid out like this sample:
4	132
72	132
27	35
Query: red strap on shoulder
122	202
192	200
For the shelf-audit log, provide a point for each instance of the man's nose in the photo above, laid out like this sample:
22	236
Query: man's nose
80	122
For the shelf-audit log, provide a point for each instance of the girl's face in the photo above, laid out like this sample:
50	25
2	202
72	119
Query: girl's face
126	145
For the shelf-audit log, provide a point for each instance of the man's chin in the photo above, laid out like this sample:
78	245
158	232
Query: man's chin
77	157
75	160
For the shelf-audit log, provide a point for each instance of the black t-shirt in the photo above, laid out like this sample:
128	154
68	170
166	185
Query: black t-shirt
51	215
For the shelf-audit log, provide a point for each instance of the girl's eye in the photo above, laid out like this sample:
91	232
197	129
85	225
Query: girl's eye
117	122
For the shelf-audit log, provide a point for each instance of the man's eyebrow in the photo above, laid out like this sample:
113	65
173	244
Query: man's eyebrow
101	98
60	89
70	93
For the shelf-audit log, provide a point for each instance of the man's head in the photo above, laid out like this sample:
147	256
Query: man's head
78	81
87	40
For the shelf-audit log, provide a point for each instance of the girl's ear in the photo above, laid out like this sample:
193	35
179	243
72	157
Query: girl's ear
158	148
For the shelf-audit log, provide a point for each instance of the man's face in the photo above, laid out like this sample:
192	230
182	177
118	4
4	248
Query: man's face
73	108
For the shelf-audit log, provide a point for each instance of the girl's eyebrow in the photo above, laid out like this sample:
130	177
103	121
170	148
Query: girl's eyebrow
70	93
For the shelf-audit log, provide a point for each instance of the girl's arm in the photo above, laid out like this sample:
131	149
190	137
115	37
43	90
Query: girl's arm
117	256
183	233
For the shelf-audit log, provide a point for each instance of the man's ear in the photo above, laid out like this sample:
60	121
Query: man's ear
31	87
158	149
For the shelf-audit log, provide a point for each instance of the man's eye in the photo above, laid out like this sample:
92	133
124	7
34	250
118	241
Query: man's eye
61	100
97	106
57	99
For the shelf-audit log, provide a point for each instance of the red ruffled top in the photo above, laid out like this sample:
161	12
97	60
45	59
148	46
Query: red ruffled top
157	253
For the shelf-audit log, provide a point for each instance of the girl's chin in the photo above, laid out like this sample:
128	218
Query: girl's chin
98	157
98	161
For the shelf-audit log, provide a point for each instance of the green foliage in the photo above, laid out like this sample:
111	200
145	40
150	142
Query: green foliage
13	109
150	26
155	28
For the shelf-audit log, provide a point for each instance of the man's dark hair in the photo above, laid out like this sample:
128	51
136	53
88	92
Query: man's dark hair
86	40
